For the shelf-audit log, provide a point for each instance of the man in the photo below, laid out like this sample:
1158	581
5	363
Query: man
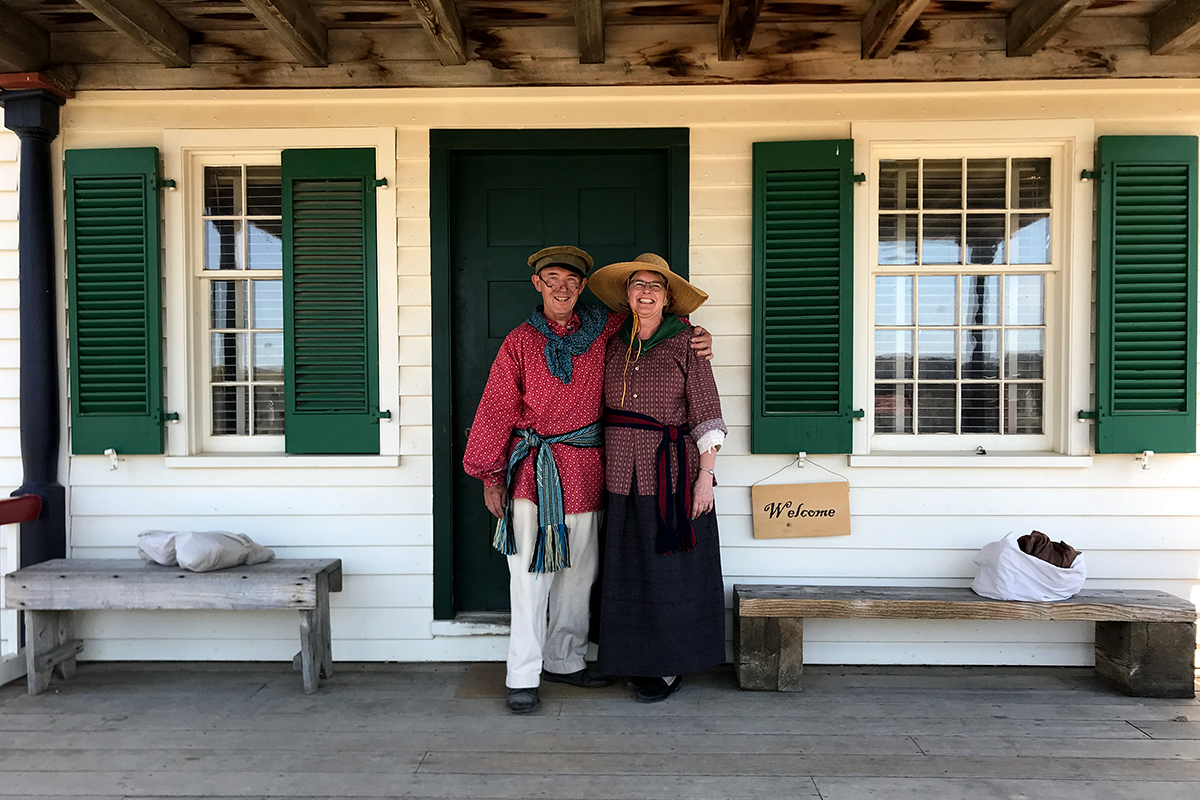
535	444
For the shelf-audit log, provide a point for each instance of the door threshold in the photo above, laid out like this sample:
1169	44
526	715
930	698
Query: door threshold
473	623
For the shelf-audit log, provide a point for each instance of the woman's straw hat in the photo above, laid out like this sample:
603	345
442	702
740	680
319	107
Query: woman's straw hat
608	283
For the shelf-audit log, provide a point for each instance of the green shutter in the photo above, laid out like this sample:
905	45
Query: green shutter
329	290
114	300
1146	294
803	277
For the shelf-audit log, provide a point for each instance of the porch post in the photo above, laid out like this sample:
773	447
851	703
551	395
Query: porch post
33	115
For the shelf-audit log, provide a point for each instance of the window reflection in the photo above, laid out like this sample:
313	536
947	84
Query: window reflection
986	179
961	353
942	183
243	230
894	300
936	299
941	239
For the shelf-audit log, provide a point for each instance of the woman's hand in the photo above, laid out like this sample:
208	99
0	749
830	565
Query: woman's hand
702	494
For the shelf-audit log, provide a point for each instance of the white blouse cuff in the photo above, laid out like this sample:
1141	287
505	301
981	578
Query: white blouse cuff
710	440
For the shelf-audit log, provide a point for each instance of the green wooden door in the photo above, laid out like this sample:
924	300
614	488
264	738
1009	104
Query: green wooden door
505	205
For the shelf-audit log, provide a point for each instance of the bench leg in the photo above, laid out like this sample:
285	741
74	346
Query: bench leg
768	653
48	648
310	649
1148	659
326	651
316	650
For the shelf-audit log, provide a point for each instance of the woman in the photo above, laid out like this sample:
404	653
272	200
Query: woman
662	611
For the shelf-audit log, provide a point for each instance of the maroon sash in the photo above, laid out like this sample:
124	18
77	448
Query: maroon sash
673	535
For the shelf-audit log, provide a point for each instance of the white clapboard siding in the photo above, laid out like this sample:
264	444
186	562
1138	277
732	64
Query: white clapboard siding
910	525
369	530
147	647
10	362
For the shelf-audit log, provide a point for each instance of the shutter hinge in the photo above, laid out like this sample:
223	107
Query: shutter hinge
858	413
166	183
1087	414
169	416
1087	175
380	182
860	177
386	414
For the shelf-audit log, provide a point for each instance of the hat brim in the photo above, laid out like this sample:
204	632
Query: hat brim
608	284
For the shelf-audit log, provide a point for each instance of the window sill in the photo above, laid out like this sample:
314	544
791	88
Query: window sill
960	460
479	624
275	460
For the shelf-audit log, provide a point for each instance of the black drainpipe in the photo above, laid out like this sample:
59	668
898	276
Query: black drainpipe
33	115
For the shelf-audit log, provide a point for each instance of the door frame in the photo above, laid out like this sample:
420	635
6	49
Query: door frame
443	146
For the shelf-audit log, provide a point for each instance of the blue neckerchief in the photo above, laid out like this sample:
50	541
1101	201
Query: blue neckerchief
560	350
550	549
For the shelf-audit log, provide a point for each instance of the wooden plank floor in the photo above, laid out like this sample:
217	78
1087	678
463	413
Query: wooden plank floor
441	731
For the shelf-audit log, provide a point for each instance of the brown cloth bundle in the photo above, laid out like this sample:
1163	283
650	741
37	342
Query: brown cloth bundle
1038	545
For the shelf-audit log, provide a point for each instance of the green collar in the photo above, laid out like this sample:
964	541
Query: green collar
670	326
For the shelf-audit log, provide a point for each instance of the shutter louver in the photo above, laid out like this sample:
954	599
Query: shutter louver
803	273
330	302
1146	295
114	300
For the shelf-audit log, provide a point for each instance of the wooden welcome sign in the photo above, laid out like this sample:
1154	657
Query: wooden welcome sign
801	509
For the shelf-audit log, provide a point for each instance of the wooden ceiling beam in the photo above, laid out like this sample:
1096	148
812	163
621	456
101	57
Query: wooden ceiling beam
1031	24
24	45
441	21
297	28
146	23
1175	27
886	23
735	28
589	29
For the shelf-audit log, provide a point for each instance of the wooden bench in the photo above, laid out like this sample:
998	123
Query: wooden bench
46	593
1145	640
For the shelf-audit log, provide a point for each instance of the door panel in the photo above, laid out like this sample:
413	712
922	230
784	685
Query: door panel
504	206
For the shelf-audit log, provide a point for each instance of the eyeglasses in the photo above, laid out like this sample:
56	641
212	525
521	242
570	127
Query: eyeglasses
571	284
654	286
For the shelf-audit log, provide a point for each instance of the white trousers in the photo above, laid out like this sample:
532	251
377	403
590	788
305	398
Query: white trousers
549	609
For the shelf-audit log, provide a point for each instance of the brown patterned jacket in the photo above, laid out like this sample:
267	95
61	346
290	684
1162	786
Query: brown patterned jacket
670	383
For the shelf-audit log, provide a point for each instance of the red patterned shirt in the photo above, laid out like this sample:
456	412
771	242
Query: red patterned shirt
521	393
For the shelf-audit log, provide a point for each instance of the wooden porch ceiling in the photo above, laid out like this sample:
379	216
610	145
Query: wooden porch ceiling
144	44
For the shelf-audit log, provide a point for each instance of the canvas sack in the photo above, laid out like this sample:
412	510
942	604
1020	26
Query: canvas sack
201	551
1007	573
158	547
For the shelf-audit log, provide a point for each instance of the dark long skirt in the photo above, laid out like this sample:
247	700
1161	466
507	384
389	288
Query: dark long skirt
659	614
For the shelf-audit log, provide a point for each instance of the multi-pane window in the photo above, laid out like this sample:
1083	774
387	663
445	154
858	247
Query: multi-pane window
241	270
960	283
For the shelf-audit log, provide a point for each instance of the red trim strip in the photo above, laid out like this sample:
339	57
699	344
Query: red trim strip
14	81
25	508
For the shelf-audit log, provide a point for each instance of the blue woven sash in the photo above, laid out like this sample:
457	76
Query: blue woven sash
551	551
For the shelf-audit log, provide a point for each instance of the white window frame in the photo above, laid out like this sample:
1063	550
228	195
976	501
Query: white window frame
1069	144
186	351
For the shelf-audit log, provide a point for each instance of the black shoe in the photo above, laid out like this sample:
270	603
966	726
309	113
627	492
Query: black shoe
522	701
587	678
658	690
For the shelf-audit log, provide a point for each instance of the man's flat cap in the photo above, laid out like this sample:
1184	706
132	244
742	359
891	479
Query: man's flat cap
565	255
